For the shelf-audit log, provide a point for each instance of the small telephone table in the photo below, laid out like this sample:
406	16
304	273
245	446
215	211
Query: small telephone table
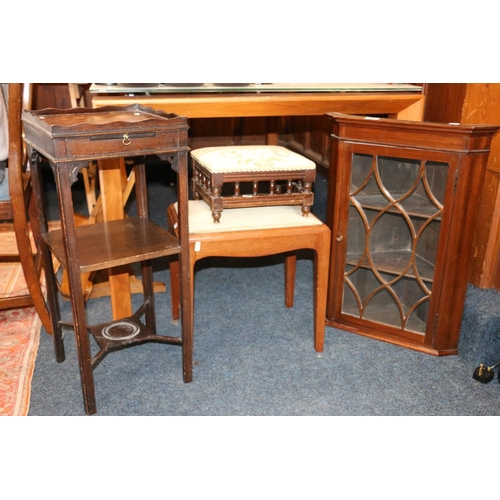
70	139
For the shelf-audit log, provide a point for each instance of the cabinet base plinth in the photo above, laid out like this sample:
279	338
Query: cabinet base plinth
391	339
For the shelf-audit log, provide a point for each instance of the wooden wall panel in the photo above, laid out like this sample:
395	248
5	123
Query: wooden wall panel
51	95
57	95
205	132
444	102
307	135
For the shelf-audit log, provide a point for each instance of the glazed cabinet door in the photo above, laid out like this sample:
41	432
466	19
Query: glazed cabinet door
388	229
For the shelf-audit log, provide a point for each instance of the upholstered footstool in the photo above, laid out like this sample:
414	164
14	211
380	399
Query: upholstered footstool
252	176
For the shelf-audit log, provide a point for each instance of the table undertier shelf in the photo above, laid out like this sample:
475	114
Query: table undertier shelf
114	243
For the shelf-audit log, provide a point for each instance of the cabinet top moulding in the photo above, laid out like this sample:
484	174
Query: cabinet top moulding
421	135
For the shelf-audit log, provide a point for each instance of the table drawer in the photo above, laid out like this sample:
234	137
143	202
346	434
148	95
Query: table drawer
124	144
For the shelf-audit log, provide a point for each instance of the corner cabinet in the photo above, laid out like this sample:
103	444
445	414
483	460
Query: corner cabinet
402	204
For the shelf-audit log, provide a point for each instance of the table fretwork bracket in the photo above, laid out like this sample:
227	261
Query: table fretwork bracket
75	168
172	159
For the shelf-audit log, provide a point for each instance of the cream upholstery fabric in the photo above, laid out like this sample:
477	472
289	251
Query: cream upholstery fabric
244	219
250	159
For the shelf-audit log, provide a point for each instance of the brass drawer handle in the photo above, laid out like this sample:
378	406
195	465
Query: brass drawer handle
126	140
339	238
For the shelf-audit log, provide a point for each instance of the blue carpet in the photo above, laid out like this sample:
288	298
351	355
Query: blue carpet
253	356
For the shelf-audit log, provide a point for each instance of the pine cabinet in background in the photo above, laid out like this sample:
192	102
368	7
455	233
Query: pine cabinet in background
403	200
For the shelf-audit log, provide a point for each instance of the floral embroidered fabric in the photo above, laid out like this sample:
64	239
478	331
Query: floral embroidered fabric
251	159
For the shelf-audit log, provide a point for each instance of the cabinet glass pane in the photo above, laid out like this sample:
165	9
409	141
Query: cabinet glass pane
392	237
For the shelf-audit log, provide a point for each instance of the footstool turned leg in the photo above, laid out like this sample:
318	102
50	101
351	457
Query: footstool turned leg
216	216
306	206
216	203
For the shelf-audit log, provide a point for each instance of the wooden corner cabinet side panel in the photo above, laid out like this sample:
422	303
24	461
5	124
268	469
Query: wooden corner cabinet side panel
403	201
